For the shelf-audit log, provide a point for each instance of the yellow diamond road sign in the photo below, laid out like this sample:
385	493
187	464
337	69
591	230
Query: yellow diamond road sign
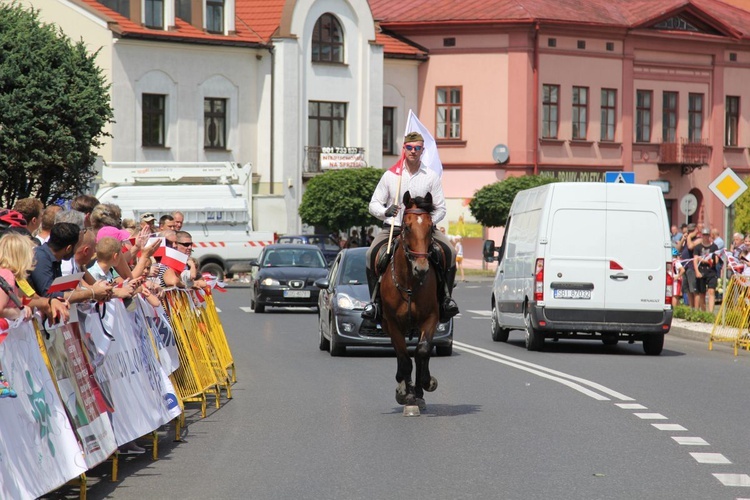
728	187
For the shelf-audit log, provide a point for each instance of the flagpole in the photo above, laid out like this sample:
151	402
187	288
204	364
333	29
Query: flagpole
398	202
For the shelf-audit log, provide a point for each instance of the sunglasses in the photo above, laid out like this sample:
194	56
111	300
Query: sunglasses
188	244
415	148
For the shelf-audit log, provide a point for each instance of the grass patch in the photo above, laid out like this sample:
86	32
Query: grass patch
690	314
480	272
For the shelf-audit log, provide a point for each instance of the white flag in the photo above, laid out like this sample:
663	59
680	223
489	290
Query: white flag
430	156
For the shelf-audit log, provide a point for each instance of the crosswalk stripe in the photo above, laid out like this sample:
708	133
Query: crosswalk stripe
690	441
247	309
710	458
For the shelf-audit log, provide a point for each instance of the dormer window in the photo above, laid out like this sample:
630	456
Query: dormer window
215	16
328	40
154	14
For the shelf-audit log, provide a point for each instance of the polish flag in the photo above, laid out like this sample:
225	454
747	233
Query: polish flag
159	251
399	165
214	283
65	283
174	259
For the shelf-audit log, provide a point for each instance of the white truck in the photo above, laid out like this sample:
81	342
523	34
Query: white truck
215	198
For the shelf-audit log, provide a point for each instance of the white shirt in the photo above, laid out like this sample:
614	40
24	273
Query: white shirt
423	182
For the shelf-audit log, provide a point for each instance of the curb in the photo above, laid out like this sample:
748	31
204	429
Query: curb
682	332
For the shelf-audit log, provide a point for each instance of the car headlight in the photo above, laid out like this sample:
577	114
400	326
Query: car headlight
344	301
270	282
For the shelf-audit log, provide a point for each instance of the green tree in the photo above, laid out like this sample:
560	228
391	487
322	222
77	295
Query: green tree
741	208
338	199
491	204
54	105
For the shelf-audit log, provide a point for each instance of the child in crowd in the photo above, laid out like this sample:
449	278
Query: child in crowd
107	253
678	270
16	259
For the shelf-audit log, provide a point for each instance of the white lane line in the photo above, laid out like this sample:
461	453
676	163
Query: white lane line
576	383
734	480
486	314
690	441
650	416
710	458
631	406
247	309
218	310
669	427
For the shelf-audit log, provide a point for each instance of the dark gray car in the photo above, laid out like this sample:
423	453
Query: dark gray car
343	295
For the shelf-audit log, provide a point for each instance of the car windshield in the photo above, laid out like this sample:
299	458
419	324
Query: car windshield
288	257
354	271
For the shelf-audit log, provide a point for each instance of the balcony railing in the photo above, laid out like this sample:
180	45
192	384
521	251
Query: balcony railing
319	159
689	155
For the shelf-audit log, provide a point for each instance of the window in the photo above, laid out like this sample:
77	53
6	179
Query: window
550	99
733	56
448	112
643	116
552	42
122	7
326	122
695	117
580	112
183	11
388	128
609	113
215	16
153	122
449	42
154	13
732	120
215	123
669	117
610	46
581	44
328	40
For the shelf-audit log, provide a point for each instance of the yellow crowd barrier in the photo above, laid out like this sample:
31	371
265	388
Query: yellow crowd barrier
205	358
731	325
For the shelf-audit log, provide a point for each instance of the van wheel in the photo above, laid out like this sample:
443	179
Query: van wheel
653	344
215	269
610	339
534	338
498	334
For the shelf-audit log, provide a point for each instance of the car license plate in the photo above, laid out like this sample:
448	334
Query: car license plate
297	294
572	294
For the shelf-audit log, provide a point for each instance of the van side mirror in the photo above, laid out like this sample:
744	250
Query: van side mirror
488	251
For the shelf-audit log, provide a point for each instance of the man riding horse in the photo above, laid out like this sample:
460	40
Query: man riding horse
386	205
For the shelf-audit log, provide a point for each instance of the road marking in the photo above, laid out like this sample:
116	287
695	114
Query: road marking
650	416
734	480
218	310
571	381
485	314
631	406
690	441
247	309
710	458
669	427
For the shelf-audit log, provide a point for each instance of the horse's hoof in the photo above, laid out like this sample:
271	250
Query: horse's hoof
420	403
411	411
431	385
400	397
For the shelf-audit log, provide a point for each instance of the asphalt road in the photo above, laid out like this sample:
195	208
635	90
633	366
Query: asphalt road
578	421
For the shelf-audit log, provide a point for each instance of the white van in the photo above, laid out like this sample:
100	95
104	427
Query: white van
584	260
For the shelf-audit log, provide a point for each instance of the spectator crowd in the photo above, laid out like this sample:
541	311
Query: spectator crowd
51	258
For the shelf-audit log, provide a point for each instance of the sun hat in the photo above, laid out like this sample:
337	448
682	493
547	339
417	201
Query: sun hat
147	217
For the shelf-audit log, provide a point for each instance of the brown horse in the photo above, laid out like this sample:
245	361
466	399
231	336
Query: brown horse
408	290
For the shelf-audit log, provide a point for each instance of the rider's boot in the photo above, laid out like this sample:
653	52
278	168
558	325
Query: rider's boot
448	306
371	309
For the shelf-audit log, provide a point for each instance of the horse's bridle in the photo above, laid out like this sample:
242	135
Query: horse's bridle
410	254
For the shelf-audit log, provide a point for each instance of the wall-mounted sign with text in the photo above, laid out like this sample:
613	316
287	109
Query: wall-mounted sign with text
338	158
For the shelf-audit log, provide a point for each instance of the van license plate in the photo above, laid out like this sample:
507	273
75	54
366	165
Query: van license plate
297	294
572	294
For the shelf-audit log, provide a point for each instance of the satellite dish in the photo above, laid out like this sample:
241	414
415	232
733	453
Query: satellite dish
500	153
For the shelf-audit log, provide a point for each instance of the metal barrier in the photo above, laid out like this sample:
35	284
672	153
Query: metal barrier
731	325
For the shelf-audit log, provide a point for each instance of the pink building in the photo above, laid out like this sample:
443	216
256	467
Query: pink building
577	88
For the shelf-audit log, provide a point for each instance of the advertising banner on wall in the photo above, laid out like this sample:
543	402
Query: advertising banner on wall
459	220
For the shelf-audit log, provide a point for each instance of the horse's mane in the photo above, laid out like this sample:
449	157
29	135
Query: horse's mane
423	204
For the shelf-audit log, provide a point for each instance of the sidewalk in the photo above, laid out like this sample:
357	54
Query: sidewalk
687	329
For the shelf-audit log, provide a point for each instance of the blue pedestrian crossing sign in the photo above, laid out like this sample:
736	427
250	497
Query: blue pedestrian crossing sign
620	177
